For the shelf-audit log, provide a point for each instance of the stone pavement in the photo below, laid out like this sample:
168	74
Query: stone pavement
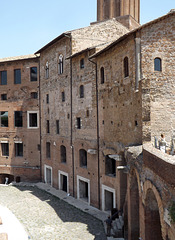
46	217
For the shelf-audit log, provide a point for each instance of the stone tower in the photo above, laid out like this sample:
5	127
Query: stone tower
107	9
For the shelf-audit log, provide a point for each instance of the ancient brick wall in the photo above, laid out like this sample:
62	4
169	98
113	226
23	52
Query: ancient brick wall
19	98
157	41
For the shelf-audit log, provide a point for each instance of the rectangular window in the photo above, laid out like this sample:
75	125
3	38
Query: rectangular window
34	95
63	96
5	149
32	119
48	126
47	98
18	149
33	74
18	119
4	119
3	97
57	126
3	77
79	123
17	76
48	149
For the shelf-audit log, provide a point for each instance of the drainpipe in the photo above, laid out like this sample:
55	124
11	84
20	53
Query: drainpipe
137	62
98	143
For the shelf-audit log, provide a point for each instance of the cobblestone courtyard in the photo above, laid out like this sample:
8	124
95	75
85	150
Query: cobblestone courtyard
46	217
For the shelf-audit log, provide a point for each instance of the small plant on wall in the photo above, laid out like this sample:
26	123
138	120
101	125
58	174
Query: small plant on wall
172	212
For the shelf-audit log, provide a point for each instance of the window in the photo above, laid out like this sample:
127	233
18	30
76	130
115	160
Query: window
102	75
3	97
63	96
126	67
32	119
18	149
34	95
60	64
82	63
83	158
18	119
47	149
78	123
33	74
48	126
4	119
47	70
3	77
81	91
5	149
63	153
17	76
158	64
47	98
57	126
110	166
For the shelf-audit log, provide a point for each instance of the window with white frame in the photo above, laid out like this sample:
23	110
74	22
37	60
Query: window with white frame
32	119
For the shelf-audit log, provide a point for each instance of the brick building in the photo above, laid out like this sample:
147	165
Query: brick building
20	128
105	93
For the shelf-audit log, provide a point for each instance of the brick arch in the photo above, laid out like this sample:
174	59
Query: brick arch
134	191
149	186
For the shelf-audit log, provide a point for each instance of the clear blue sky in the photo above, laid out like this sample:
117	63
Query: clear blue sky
26	26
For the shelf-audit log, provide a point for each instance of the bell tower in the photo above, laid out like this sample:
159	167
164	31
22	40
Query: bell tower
107	9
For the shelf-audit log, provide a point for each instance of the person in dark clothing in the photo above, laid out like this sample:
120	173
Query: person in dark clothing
108	225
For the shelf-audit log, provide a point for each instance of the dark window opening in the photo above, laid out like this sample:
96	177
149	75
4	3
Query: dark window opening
17	76
3	97
47	98
47	70
81	91
83	158
126	67
5	149
47	149
87	113
18	119
136	123
33	74
79	123
4	119
110	166
158	64
18	149
82	63
34	95
63	96
63	153
102	75
57	126
60	64
33	120
3	77
48	126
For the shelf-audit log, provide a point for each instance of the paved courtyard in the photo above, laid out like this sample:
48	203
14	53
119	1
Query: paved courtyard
46	217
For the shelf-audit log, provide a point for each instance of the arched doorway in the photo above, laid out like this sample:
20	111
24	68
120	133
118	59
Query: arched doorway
4	176
152	217
134	208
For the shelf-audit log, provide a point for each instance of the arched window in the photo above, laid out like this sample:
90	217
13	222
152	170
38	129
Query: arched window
102	75
63	153
126	67
60	64
158	64
81	91
83	158
47	70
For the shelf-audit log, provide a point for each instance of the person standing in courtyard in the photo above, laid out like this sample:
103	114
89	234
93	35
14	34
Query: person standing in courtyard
108	225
